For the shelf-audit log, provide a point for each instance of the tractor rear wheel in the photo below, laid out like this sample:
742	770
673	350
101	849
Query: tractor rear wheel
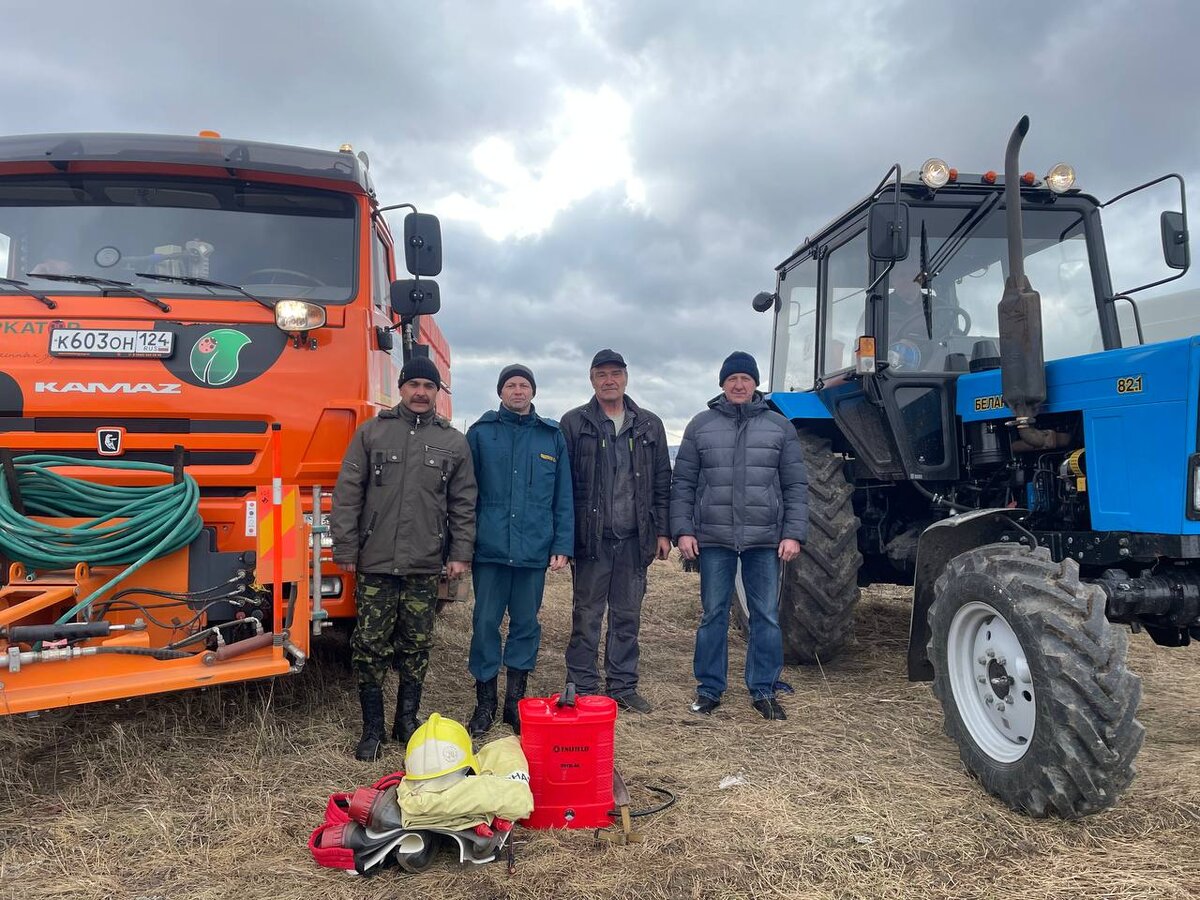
1032	680
820	586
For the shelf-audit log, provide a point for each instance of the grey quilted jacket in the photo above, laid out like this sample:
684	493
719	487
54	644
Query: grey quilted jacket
739	478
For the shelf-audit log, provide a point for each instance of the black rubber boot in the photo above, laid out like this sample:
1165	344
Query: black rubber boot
485	707
370	698
514	690
408	701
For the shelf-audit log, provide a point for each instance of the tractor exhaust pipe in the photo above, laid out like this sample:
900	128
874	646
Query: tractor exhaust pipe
1012	199
1022	358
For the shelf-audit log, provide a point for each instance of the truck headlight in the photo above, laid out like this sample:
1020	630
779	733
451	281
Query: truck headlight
298	315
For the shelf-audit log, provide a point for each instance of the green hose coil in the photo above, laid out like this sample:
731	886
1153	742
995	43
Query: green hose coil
159	519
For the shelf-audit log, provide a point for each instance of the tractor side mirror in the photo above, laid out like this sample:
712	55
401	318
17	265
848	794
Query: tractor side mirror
887	228
423	244
765	300
415	297
1174	240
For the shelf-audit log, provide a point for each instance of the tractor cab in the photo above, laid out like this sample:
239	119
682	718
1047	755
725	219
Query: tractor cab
882	310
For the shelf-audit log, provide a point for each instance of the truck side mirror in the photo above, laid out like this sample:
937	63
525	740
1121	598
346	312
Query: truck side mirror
415	297
764	300
1174	240
422	244
887	228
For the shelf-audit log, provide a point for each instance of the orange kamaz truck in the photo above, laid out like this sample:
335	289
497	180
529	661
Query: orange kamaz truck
191	328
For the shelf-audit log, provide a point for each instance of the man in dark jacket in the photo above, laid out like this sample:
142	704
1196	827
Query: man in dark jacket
622	474
404	500
739	494
525	523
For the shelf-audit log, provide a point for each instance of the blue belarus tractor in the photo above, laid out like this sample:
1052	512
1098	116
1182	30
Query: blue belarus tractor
979	423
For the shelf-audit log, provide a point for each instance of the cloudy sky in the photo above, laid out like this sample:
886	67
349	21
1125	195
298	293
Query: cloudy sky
626	174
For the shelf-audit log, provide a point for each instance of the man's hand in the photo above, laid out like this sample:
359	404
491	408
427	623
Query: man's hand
558	562
788	549
687	546
664	547
456	569
349	567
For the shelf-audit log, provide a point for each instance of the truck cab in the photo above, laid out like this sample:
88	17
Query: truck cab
174	299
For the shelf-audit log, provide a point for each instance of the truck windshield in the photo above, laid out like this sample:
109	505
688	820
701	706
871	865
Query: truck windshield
957	308
274	241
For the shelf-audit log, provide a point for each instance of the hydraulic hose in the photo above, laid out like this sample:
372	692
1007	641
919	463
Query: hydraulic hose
159	519
940	500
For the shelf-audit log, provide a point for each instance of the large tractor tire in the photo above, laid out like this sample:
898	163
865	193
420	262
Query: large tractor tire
820	587
1032	680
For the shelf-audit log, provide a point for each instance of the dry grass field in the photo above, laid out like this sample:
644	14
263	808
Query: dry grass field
858	794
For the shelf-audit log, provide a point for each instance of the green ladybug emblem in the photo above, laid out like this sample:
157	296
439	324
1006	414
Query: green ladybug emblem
214	357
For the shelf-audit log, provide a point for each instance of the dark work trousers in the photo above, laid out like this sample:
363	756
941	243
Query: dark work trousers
616	578
517	590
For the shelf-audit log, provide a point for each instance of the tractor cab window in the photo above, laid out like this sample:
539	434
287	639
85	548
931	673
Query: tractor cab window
796	329
846	280
942	298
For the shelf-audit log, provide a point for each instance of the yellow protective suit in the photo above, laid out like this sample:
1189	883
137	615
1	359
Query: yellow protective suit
500	790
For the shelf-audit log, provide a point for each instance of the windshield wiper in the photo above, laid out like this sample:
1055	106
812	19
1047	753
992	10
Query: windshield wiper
204	283
958	237
25	289
104	283
923	279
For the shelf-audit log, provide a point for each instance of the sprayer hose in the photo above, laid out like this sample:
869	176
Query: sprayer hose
159	519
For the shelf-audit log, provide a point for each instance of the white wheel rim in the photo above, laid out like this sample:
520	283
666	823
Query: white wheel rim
991	682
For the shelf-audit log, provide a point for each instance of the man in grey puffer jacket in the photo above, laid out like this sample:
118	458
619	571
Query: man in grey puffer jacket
739	492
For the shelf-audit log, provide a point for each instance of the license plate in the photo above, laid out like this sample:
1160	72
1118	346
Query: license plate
112	342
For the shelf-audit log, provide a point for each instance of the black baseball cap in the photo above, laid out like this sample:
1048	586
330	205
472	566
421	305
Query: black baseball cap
608	358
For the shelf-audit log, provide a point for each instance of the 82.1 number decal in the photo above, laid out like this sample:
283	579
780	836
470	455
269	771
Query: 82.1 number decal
1131	384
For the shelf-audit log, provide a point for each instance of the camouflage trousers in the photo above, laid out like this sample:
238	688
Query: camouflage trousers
395	622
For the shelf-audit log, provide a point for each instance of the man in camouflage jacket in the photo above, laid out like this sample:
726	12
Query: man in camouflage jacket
404	503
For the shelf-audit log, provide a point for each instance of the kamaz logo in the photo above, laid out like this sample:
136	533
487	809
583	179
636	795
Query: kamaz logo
99	387
983	404
109	441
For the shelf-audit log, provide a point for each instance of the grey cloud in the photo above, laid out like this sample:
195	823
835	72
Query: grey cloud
752	125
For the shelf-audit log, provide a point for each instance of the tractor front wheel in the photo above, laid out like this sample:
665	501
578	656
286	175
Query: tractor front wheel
1032	680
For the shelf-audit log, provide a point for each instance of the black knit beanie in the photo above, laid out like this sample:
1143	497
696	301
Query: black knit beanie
516	369
738	362
421	367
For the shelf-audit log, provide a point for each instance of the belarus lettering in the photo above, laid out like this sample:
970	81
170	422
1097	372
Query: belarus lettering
983	404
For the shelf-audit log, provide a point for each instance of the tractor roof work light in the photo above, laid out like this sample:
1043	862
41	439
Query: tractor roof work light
935	173
1061	178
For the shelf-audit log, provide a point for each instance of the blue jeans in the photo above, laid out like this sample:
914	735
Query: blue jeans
764	650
